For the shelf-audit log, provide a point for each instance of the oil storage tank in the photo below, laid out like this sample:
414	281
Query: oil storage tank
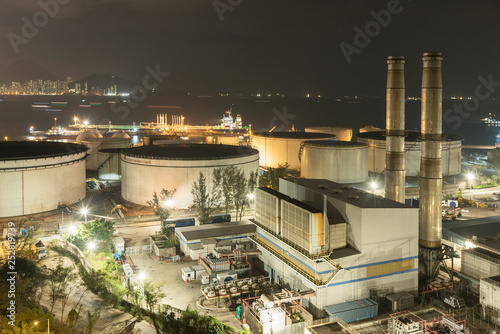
149	169
283	147
338	161
451	152
40	176
343	134
95	142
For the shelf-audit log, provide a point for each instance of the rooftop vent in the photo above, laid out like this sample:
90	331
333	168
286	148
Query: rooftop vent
322	186
336	191
354	197
346	187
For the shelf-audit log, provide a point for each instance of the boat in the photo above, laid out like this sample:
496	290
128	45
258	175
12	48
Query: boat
60	132
53	110
59	103
85	106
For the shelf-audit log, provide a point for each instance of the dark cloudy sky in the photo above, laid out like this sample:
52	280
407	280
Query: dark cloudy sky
290	45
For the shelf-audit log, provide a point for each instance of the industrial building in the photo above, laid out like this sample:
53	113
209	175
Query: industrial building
376	141
40	176
195	240
95	142
336	240
489	296
338	161
149	169
342	134
283	147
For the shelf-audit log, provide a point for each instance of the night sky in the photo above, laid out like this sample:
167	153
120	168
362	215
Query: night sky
285	46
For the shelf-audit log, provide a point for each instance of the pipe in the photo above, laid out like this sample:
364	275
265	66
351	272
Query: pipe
395	130
430	165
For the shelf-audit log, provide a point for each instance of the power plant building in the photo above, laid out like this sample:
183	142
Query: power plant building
40	176
283	147
149	169
339	241
376	141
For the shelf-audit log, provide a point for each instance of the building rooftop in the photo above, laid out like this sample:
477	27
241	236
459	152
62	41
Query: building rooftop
295	135
274	193
486	230
348	194
216	230
189	152
302	205
411	136
21	150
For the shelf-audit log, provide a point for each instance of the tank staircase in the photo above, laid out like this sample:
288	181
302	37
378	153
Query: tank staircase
111	156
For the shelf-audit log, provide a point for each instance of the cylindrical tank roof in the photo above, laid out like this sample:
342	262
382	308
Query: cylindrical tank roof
411	136
121	134
189	152
334	143
294	135
22	150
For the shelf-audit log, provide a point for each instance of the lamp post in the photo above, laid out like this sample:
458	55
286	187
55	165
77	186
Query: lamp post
168	203
470	178
84	212
91	246
373	185
72	231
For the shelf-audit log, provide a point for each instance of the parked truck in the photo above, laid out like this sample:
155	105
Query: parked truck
39	250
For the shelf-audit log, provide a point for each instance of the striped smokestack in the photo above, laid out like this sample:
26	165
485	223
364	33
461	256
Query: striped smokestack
430	164
395	130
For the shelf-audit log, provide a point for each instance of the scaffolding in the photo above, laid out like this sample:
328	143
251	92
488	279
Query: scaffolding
407	322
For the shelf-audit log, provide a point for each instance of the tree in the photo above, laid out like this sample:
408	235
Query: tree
271	177
494	158
494	178
204	201
152	294
100	229
58	280
223	178
162	203
92	318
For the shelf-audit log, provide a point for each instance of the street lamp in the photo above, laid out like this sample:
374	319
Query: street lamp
251	196
91	246
373	185
168	203
141	277
470	178
72	231
84	212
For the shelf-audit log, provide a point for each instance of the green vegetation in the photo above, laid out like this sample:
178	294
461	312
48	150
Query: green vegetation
204	201
271	177
486	185
191	321
98	230
162	203
172	240
231	189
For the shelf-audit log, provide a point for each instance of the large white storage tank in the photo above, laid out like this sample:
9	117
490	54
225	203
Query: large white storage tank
95	142
283	147
147	169
40	176
376	141
110	169
342	134
337	161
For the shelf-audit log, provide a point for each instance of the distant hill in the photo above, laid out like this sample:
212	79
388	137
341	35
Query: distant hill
24	70
105	81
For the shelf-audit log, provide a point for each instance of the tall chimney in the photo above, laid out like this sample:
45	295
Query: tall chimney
430	164
395	130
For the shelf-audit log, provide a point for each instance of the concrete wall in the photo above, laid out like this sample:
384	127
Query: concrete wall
142	177
38	185
489	297
451	152
478	266
339	164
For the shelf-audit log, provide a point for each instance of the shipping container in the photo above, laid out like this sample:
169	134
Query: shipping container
354	310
